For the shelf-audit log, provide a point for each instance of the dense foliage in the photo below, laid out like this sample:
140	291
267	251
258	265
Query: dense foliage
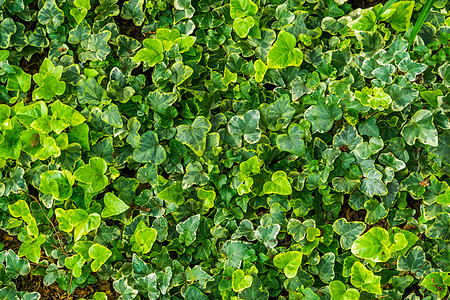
219	149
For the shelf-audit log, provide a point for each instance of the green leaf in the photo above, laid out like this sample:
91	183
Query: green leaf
19	80
152	53
93	174
16	266
144	239
376	98
293	141
400	19
325	267
279	184
440	228
50	88
188	229
240	281
57	183
100	254
133	10
194	135
242	26
412	69
234	252
366	22
260	69
374	245
172	194
7	29
50	14
322	116
242	8
349	231
64	116
149	149
246	125
113	206
338	291
421	127
268	235
20	209
348	137
436	282
283	52
372	184
180	73
289	262
194	175
111	116
363	278
31	248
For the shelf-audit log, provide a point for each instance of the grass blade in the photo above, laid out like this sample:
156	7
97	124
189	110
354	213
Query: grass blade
420	20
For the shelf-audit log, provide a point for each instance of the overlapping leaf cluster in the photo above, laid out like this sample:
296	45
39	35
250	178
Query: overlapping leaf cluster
220	149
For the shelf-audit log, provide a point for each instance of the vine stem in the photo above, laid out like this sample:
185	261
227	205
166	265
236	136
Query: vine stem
162	212
70	286
54	228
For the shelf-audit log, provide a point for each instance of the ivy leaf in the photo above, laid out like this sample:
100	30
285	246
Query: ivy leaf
149	149
242	8
289	262
246	125
240	281
19	80
113	206
363	278
349	231
57	183
172	194
293	141
440	228
31	248
322	116
366	22
93	174
111	116
194	175
194	135
372	184
421	127
348	137
16	266
268	235
152	53
437	283
242	26
100	254
279	184
412	69
338	291
133	10
188	229
373	245
180	73
7	29
144	239
400	19
260	69
50	13
283	52
235	252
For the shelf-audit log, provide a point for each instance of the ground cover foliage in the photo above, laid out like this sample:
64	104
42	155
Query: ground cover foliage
220	149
